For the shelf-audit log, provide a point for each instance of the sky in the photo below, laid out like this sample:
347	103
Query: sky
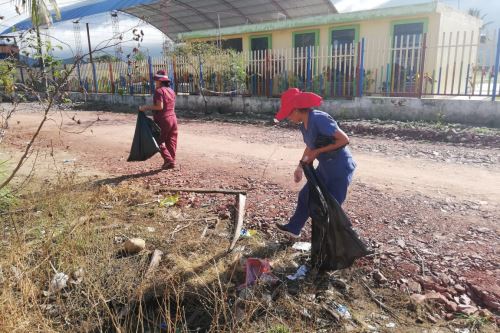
100	25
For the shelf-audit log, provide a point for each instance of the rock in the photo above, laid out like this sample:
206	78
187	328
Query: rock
489	300
483	230
401	243
445	279
418	298
485	313
459	288
379	277
134	245
429	284
449	316
439	298
414	287
467	309
464	299
339	283
431	318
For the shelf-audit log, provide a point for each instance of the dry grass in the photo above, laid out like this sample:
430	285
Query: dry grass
66	226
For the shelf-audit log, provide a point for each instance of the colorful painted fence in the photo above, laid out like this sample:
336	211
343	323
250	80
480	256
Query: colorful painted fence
452	64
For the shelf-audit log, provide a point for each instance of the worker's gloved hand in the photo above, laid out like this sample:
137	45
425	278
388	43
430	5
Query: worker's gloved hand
297	175
141	109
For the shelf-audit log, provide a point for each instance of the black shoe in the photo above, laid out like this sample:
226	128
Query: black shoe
284	229
168	165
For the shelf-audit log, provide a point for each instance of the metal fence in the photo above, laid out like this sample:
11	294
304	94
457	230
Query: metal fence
452	64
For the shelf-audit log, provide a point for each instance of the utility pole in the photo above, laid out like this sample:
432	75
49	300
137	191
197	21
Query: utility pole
90	47
116	34
78	40
94	73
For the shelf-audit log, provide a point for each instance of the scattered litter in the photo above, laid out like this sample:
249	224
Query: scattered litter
390	325
343	312
462	330
150	229
247	233
77	276
169	201
69	160
304	246
300	274
258	269
118	239
58	283
134	245
267	299
155	261
306	313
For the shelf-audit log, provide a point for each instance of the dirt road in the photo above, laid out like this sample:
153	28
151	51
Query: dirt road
272	153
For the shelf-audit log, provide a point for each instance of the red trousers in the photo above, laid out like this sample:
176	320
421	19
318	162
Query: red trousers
168	136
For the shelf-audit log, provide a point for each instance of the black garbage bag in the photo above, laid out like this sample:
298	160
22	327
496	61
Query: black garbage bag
335	245
146	137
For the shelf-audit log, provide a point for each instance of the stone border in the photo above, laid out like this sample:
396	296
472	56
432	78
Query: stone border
467	112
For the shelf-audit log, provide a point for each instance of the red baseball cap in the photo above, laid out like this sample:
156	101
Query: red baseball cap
293	98
161	75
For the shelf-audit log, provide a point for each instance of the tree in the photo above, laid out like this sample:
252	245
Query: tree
476	12
138	55
54	86
200	56
105	58
40	15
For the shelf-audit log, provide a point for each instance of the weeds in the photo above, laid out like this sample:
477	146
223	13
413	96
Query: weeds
7	200
78	229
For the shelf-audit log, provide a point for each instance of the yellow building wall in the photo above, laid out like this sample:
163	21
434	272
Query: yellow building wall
461	30
379	39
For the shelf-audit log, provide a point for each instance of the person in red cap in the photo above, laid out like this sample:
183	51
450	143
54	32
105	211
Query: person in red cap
326	142
164	115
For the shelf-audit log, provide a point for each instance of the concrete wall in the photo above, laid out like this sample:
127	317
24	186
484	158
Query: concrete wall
468	112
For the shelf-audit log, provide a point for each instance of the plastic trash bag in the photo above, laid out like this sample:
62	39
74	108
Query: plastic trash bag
335	245
146	137
258	269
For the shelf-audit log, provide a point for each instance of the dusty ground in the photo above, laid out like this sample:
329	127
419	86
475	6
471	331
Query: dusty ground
430	209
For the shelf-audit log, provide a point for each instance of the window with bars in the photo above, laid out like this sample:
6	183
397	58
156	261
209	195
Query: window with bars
259	43
233	44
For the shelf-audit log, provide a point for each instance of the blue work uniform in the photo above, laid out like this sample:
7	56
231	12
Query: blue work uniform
335	169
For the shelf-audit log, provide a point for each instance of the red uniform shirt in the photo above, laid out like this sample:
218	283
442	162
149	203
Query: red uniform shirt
167	96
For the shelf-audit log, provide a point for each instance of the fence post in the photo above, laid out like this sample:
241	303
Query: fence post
497	70
151	81
94	74
174	70
362	68
422	64
202	83
309	69
129	74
